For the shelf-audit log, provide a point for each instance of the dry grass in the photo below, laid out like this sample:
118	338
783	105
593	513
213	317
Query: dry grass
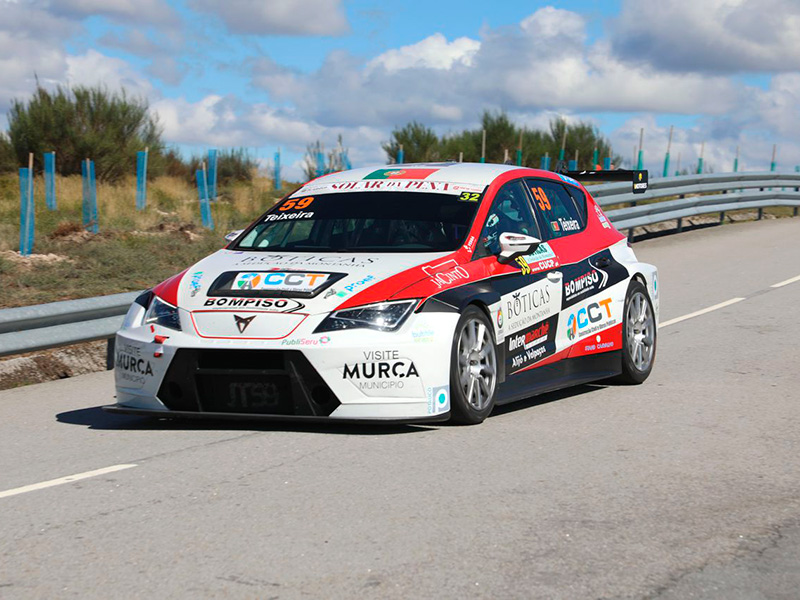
133	249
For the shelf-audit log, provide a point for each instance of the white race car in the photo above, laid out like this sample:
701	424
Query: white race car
411	293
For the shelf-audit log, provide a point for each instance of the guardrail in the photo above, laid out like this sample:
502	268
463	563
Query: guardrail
31	328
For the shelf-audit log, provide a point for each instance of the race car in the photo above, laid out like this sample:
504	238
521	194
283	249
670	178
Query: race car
410	293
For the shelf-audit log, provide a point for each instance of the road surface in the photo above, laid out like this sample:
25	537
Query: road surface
685	487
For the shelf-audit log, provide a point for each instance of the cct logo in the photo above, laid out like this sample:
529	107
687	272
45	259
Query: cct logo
593	313
279	280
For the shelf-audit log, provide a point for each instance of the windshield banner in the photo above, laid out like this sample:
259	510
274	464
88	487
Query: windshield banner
394	185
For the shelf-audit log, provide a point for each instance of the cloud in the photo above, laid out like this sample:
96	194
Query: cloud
279	17
94	68
543	63
721	36
154	12
434	52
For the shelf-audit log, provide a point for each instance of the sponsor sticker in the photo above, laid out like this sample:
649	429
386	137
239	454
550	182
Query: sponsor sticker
601	217
542	259
529	305
304	260
531	345
438	399
283	305
320	341
445	273
569	180
590	319
279	281
195	283
131	366
393	184
380	370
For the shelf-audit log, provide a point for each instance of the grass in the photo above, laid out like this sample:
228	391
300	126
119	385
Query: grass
133	249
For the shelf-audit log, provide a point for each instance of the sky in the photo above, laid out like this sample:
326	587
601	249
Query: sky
269	74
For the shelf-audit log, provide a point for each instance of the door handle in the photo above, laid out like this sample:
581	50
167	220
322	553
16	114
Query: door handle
603	261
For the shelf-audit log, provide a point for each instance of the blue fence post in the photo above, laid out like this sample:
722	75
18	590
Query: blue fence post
26	212
277	175
205	206
572	165
50	180
92	198
141	180
401	155
607	163
85	210
320	164
212	174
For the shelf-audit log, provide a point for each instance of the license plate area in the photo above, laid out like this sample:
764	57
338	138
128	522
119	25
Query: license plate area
251	394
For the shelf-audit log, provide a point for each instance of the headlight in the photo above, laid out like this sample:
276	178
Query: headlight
162	313
384	316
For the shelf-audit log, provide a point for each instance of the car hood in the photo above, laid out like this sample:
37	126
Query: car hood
306	282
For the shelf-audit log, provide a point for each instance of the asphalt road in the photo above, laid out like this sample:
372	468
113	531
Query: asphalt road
685	487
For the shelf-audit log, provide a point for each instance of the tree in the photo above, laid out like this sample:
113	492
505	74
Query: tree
584	138
420	144
84	122
8	161
335	160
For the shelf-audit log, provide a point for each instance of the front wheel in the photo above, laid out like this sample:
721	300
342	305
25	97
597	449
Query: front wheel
638	335
473	370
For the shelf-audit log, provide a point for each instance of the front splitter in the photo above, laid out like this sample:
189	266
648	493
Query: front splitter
178	414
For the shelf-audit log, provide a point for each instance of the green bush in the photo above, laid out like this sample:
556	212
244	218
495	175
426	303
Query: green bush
8	160
234	165
80	123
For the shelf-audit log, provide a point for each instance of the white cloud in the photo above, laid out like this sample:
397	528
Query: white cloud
155	12
279	17
541	64
434	52
94	68
710	35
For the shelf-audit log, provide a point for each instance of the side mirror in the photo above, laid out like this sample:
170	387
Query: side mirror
233	235
513	245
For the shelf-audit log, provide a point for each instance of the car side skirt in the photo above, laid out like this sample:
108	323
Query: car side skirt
558	375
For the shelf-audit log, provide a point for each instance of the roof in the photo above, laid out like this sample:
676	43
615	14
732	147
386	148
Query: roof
453	172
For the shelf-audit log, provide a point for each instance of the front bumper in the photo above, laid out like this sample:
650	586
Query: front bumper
350	375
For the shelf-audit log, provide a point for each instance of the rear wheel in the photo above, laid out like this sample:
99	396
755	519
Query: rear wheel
638	335
473	371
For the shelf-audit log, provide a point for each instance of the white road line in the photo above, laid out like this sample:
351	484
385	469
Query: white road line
787	282
62	480
700	312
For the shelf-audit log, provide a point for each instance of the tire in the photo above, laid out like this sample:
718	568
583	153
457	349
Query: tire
473	368
639	335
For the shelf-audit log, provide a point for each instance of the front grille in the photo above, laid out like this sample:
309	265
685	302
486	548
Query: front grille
259	382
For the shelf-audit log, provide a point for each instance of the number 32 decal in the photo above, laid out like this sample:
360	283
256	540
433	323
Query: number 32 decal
469	196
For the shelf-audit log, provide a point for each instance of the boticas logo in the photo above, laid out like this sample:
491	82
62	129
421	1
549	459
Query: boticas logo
500	318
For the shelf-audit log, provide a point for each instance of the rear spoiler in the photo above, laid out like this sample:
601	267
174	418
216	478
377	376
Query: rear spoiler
639	178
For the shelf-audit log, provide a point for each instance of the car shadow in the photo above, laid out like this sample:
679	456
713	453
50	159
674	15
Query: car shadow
96	418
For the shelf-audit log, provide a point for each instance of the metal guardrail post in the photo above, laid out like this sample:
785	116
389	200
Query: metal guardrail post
110	346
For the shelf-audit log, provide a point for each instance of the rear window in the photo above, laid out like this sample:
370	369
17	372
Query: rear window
364	222
560	214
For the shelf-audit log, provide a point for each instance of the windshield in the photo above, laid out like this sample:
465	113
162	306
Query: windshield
365	222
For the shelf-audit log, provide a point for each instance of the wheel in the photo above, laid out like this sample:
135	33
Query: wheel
473	370
638	335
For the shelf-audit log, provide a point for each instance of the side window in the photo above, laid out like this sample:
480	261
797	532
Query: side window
559	212
580	200
510	212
